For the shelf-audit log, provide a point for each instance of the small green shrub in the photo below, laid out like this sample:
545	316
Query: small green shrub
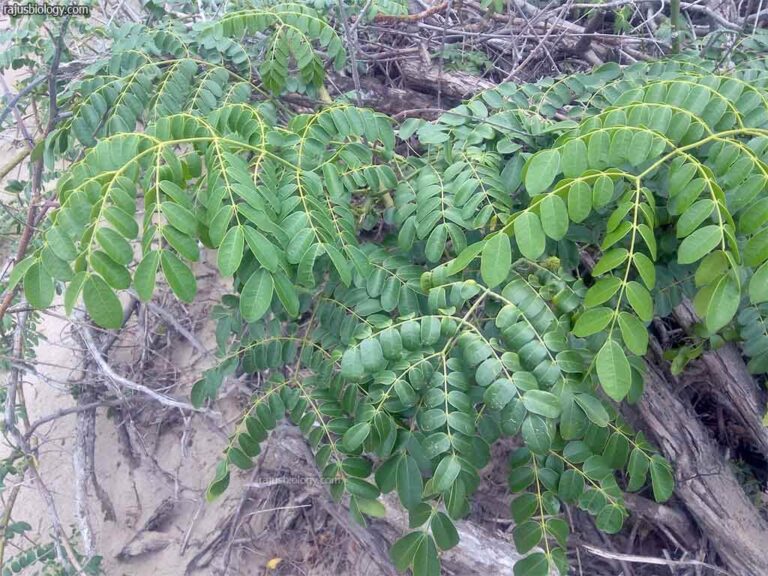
408	311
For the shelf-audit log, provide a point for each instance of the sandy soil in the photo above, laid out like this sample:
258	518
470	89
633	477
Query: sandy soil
154	466
135	486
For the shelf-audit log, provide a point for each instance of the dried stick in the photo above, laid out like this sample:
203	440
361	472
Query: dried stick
81	465
173	323
424	14
705	483
19	120
125	383
66	412
15	99
733	383
351	34
7	519
15	161
650	559
13	388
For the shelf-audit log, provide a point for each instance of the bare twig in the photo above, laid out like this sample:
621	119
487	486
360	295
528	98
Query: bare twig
123	382
351	34
11	405
651	560
173	323
68	411
7	519
424	14
17	113
15	161
81	465
11	105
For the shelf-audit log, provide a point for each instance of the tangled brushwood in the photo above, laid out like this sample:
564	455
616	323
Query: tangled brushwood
412	294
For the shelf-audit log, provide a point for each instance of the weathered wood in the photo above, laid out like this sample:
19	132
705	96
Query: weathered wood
704	481
382	98
732	383
480	552
675	520
428	78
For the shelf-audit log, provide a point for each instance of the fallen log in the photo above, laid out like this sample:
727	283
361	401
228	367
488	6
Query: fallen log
732	384
480	551
704	481
430	79
377	96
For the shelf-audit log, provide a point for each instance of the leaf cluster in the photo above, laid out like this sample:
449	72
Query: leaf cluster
522	256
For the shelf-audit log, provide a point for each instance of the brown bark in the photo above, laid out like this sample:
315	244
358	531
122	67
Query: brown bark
392	18
377	96
704	481
480	551
733	384
677	521
427	78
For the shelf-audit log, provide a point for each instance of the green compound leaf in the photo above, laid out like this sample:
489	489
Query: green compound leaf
594	409
661	479
445	533
535	564
496	260
610	519
723	302
231	251
554	217
403	551
426	561
592	321
613	370
527	535
640	300
355	436
574	160
102	303
543	403
179	276
38	286
541	171
529	235
758	285
409	482
579	200
634	333
256	297
412	332
446	473
146	274
699	244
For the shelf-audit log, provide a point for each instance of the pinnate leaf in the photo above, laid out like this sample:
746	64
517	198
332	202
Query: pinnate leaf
613	370
541	171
